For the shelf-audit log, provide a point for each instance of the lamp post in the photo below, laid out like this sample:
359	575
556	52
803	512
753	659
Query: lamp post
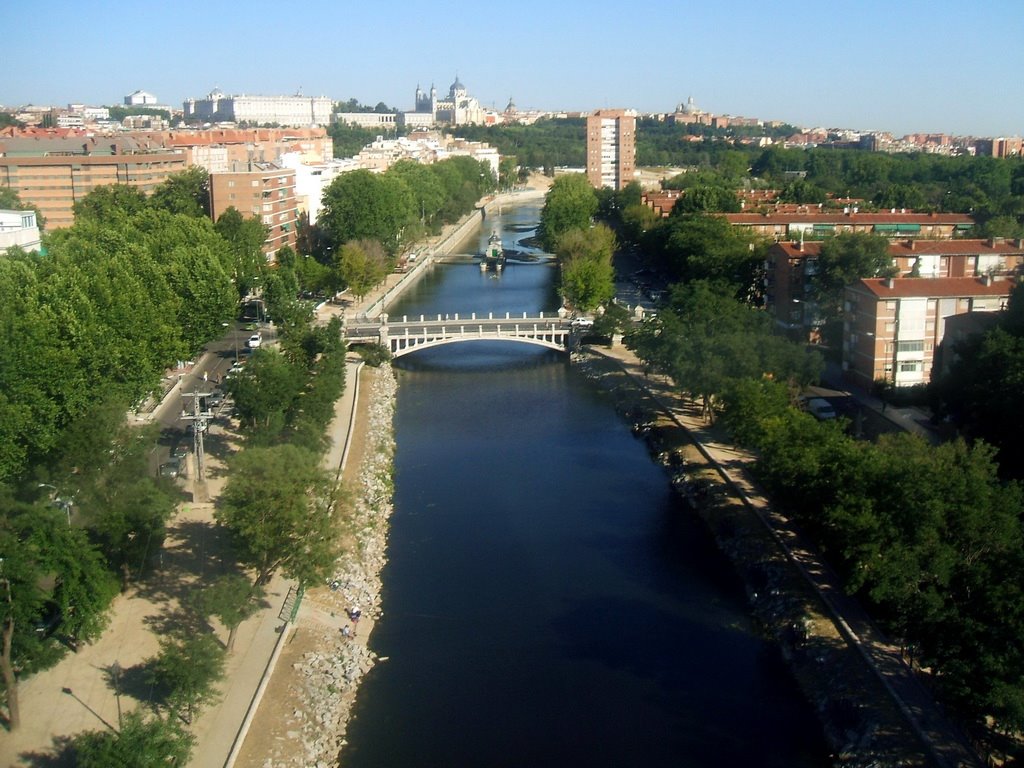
55	499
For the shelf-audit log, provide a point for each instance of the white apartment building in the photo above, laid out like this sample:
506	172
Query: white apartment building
312	180
19	228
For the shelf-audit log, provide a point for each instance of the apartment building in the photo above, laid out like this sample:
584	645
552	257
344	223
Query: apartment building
263	190
18	229
790	266
611	148
53	174
893	327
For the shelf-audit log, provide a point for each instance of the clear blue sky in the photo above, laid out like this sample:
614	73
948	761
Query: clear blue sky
897	65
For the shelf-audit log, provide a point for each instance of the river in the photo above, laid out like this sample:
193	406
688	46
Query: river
547	601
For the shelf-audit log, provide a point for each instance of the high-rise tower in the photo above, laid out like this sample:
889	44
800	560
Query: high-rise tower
611	148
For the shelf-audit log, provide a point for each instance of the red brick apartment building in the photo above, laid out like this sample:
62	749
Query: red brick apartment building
894	327
262	190
790	265
611	148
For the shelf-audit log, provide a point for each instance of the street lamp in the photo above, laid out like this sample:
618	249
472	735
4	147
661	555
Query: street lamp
56	501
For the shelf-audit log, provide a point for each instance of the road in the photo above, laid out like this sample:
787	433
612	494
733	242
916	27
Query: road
210	370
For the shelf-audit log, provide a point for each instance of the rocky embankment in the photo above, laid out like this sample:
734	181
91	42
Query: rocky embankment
326	677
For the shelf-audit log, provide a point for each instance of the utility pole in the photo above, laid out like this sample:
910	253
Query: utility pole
200	420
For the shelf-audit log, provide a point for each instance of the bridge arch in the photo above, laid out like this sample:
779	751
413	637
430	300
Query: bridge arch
405	336
415	347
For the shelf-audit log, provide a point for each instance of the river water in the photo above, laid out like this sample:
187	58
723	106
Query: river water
547	602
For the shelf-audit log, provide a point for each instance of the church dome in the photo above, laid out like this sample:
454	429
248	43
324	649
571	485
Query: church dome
457	85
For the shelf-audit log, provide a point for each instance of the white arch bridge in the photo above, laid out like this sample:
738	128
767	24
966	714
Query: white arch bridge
408	335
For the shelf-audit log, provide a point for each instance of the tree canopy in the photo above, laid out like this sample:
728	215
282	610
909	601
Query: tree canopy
570	204
587	278
279	507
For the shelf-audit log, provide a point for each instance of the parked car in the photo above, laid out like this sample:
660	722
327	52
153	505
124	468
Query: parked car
821	409
181	450
254	341
214	400
172	468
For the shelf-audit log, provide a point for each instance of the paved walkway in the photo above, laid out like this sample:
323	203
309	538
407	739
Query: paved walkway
946	742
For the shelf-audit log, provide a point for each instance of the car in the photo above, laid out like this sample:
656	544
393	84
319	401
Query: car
214	400
821	409
172	468
582	322
181	450
254	341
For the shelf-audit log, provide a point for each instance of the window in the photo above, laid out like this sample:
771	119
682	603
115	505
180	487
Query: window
910	367
910	346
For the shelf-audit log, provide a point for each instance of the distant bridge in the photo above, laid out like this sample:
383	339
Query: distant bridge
408	335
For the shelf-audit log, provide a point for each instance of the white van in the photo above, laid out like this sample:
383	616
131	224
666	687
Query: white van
821	409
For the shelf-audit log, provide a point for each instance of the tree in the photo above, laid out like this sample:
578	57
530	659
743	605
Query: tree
185	671
140	743
279	508
40	549
364	205
707	341
245	238
264	392
110	201
803	192
232	599
844	260
570	204
187	192
707	199
981	405
706	247
585	263
427	192
362	264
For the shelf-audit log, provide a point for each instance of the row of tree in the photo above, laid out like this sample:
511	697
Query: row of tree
928	537
119	297
88	329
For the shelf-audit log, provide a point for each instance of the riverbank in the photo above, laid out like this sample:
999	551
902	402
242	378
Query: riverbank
304	714
871	714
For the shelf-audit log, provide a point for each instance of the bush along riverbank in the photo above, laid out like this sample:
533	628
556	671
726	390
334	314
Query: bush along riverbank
861	722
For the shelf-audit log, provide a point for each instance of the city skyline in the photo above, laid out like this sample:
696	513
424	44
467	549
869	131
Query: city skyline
915	68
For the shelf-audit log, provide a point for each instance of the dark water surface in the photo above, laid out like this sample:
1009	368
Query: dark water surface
546	601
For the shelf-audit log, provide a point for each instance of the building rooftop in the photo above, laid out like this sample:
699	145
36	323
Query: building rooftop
936	287
848	217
